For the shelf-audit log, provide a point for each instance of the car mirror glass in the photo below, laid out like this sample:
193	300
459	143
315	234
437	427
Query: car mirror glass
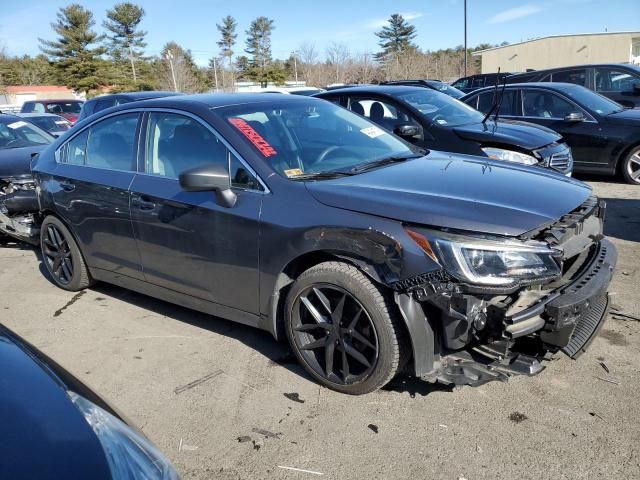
574	117
406	131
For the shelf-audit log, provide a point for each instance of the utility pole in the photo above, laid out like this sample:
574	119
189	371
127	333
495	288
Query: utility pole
465	38
215	72
133	63
169	57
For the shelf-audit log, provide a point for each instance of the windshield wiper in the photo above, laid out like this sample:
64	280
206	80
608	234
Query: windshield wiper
327	175
382	162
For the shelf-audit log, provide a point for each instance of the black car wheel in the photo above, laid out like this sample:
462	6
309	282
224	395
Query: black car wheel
631	167
343	329
62	257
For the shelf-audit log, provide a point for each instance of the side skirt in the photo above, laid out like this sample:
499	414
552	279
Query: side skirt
177	298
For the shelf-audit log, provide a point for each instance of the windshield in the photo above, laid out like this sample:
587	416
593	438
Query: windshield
50	124
311	136
446	88
593	101
64	107
16	133
441	109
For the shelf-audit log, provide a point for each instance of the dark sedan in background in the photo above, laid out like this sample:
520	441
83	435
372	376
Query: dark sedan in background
69	109
55	427
480	80
619	82
97	104
49	122
437	85
301	218
433	120
604	137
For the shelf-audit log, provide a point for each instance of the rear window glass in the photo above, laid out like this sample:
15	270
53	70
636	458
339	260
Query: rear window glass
18	133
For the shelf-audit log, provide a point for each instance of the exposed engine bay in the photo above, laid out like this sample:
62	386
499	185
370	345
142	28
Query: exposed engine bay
19	209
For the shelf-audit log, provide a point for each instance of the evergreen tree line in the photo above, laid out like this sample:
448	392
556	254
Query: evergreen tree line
87	61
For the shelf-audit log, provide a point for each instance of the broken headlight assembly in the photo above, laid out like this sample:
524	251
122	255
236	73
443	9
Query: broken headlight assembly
509	156
488	261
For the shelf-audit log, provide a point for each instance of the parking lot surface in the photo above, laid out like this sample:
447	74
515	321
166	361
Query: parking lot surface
226	401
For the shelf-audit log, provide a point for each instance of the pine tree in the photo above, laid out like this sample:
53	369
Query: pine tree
227	41
125	39
77	63
259	49
395	38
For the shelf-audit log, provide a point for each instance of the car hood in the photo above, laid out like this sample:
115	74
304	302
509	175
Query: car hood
457	191
46	435
510	132
629	117
17	161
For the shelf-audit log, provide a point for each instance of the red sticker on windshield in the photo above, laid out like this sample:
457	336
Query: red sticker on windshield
254	137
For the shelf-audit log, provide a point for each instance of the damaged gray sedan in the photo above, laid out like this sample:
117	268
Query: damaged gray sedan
298	217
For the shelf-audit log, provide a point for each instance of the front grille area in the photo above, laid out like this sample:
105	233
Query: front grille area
562	161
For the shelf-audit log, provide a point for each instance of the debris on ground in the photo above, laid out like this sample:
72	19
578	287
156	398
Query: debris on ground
266	433
373	428
604	366
607	380
197	382
257	444
294	397
244	439
300	470
517	417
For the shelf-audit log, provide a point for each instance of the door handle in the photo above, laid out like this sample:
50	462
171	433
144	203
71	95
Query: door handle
67	186
143	204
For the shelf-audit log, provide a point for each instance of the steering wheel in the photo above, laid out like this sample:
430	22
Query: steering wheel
327	151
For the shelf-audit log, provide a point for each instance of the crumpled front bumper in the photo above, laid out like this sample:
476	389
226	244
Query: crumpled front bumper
569	318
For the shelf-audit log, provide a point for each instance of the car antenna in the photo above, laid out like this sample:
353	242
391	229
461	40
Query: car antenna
495	97
504	86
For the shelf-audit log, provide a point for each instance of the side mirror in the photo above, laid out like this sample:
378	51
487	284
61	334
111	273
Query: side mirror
209	178
574	117
636	89
406	131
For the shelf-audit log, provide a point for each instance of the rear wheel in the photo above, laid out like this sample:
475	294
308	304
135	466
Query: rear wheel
631	167
343	328
62	257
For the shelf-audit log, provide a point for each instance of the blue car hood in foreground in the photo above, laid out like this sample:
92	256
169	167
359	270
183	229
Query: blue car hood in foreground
17	161
43	434
457	191
508	132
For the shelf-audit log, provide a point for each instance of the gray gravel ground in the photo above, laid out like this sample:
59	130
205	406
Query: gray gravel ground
568	422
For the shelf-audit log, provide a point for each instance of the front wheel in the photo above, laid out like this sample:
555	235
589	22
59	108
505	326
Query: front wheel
343	328
62	257
631	167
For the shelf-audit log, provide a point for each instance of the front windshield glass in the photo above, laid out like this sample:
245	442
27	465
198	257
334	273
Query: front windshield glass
51	124
15	133
64	107
441	109
446	88
311	136
593	101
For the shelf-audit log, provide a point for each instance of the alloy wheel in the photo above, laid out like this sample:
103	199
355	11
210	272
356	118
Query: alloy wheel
334	334
57	254
633	166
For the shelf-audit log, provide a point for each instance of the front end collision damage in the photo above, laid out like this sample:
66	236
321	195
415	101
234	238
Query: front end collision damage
488	333
19	209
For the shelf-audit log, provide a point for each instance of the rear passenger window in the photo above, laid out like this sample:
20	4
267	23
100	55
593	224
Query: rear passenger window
111	143
579	77
76	149
176	143
540	104
486	99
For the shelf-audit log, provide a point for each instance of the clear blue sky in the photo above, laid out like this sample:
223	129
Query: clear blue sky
439	23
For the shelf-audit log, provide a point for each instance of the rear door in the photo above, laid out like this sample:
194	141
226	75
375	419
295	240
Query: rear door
95	169
188	242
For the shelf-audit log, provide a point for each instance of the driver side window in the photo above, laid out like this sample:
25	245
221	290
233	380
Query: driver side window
542	104
382	113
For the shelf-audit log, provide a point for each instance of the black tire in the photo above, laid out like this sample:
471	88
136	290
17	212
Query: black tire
371	343
61	256
631	167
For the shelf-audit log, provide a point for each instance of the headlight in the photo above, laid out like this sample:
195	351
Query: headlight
129	454
490	262
509	156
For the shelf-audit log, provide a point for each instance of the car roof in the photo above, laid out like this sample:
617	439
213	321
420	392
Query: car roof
557	86
55	100
573	67
379	89
33	115
137	95
9	117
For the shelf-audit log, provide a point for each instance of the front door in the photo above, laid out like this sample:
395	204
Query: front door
188	243
93	176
